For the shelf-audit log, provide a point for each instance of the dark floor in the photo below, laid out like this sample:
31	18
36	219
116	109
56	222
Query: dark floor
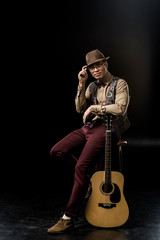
25	217
26	214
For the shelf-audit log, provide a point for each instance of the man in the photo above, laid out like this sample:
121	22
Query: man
107	94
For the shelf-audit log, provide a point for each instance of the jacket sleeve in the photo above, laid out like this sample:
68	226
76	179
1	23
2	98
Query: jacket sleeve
82	99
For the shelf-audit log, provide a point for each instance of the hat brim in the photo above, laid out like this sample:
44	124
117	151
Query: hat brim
101	59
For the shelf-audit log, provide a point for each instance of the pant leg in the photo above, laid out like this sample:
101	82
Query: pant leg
95	142
65	147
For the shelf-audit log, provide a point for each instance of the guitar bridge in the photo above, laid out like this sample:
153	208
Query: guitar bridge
107	205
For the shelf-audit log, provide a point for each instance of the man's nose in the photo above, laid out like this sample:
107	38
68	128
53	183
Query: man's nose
95	68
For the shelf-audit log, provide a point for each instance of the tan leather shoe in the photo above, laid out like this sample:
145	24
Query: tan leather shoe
61	226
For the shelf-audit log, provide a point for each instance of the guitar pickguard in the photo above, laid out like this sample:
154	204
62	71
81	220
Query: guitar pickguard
115	197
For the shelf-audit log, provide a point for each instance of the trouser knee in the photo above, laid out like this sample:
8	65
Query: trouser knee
56	152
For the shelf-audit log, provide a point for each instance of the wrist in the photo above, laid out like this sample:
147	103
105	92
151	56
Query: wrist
95	109
81	85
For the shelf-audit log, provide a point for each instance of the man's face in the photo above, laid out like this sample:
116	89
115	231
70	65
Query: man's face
99	69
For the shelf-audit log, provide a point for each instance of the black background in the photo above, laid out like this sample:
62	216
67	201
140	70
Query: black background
44	48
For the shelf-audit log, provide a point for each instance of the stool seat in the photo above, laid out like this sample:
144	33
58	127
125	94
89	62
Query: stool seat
122	143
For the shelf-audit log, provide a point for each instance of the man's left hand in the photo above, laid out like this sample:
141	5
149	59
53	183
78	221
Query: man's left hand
86	115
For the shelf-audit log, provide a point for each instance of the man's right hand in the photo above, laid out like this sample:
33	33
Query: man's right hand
83	76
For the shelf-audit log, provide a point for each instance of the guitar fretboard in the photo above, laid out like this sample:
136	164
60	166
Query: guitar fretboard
108	157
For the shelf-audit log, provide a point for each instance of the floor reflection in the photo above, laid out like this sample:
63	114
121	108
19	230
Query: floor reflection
106	234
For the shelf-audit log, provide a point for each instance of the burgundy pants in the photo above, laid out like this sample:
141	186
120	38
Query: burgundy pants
92	140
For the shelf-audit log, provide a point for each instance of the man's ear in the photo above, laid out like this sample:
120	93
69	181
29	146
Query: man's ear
106	64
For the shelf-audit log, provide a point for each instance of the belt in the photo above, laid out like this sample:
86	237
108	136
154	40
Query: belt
96	122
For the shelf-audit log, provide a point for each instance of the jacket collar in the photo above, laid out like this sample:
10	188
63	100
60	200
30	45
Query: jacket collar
107	79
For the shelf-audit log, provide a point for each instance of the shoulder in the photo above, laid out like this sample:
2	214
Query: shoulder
122	85
121	82
91	90
92	86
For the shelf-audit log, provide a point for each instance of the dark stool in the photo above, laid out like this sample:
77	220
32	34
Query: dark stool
100	163
121	144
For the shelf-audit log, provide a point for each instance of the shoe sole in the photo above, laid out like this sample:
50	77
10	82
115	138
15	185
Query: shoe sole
66	230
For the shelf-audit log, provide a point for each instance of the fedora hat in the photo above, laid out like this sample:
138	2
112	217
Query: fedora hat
94	56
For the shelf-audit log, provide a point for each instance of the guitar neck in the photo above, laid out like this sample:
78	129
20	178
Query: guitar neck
108	157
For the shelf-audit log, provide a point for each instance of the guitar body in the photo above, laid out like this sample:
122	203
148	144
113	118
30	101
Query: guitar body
107	209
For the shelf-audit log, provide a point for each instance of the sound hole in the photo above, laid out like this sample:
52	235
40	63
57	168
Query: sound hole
107	187
112	190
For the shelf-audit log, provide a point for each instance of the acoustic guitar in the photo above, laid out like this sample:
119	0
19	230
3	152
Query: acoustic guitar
107	206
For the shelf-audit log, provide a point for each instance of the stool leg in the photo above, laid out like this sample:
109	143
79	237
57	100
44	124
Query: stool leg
120	159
